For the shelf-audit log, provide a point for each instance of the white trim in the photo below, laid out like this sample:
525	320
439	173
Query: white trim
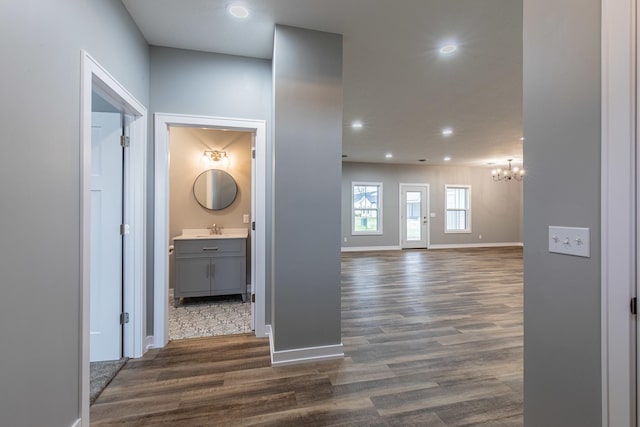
427	215
370	248
305	355
148	343
379	219
94	77
78	423
618	211
302	355
162	122
476	245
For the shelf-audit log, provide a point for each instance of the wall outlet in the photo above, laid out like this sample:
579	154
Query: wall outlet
345	240
245	219
480	236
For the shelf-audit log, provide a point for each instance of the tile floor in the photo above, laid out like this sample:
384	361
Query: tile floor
209	316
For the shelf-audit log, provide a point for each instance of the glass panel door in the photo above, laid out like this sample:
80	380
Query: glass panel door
413	217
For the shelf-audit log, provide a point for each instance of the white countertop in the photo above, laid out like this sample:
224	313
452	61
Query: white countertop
205	233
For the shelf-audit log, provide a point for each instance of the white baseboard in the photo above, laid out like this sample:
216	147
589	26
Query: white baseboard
475	245
148	343
370	248
78	423
303	355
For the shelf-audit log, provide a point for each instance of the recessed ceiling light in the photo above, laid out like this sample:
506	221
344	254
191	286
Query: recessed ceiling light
388	155
448	49
356	125
238	11
446	159
447	132
522	139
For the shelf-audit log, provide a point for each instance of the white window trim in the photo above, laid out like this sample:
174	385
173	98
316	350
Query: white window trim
468	229
380	208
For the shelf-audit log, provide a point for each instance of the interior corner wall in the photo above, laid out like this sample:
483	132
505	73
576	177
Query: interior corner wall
496	207
208	84
562	102
307	85
40	329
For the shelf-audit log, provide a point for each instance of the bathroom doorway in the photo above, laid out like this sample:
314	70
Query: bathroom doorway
202	155
257	224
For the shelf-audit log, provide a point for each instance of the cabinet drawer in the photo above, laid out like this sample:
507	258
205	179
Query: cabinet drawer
210	247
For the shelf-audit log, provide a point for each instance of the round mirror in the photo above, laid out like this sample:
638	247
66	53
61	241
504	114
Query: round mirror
215	189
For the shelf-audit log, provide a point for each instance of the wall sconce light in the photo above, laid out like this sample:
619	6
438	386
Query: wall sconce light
215	155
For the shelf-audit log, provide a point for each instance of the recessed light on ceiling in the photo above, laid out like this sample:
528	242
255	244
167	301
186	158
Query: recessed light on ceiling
448	49
446	159
238	11
447	132
356	125
388	155
522	139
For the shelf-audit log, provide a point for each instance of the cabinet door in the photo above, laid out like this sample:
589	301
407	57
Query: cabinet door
192	277
227	276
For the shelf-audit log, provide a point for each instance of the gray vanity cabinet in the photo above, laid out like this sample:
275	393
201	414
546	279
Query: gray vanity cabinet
207	267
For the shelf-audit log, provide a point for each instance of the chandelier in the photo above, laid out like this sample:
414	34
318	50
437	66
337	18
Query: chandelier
509	174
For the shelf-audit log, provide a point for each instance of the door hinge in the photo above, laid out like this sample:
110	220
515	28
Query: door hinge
124	229
634	306
124	318
253	226
124	141
253	154
253	297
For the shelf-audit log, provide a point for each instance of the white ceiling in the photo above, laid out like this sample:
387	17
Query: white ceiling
394	80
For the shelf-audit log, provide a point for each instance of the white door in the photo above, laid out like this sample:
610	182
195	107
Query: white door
106	241
414	207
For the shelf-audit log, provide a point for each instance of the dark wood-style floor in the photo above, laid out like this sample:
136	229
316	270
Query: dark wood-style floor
431	338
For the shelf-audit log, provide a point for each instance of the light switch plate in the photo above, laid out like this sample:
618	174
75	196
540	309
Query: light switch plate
245	219
569	241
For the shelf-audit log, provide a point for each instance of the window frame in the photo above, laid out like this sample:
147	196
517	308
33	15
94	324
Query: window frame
467	230
379	209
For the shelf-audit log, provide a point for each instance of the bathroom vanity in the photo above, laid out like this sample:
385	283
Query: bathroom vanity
210	264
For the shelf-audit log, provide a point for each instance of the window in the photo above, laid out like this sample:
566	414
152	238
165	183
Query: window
457	209
366	208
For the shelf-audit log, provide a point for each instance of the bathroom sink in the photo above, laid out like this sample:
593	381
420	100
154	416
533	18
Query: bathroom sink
204	233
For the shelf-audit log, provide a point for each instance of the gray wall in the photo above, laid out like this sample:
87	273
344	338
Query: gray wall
40	43
562	150
208	84
496	207
307	79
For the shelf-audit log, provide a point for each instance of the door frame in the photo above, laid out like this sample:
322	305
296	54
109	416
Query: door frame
162	122
95	77
619	200
400	203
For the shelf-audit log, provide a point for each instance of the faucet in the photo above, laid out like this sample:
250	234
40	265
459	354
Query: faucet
215	229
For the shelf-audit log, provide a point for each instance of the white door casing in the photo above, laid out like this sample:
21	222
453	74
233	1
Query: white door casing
96	78
162	124
106	241
414	230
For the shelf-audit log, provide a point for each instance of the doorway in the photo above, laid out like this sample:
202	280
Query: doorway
210	191
414	216
95	79
163	123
